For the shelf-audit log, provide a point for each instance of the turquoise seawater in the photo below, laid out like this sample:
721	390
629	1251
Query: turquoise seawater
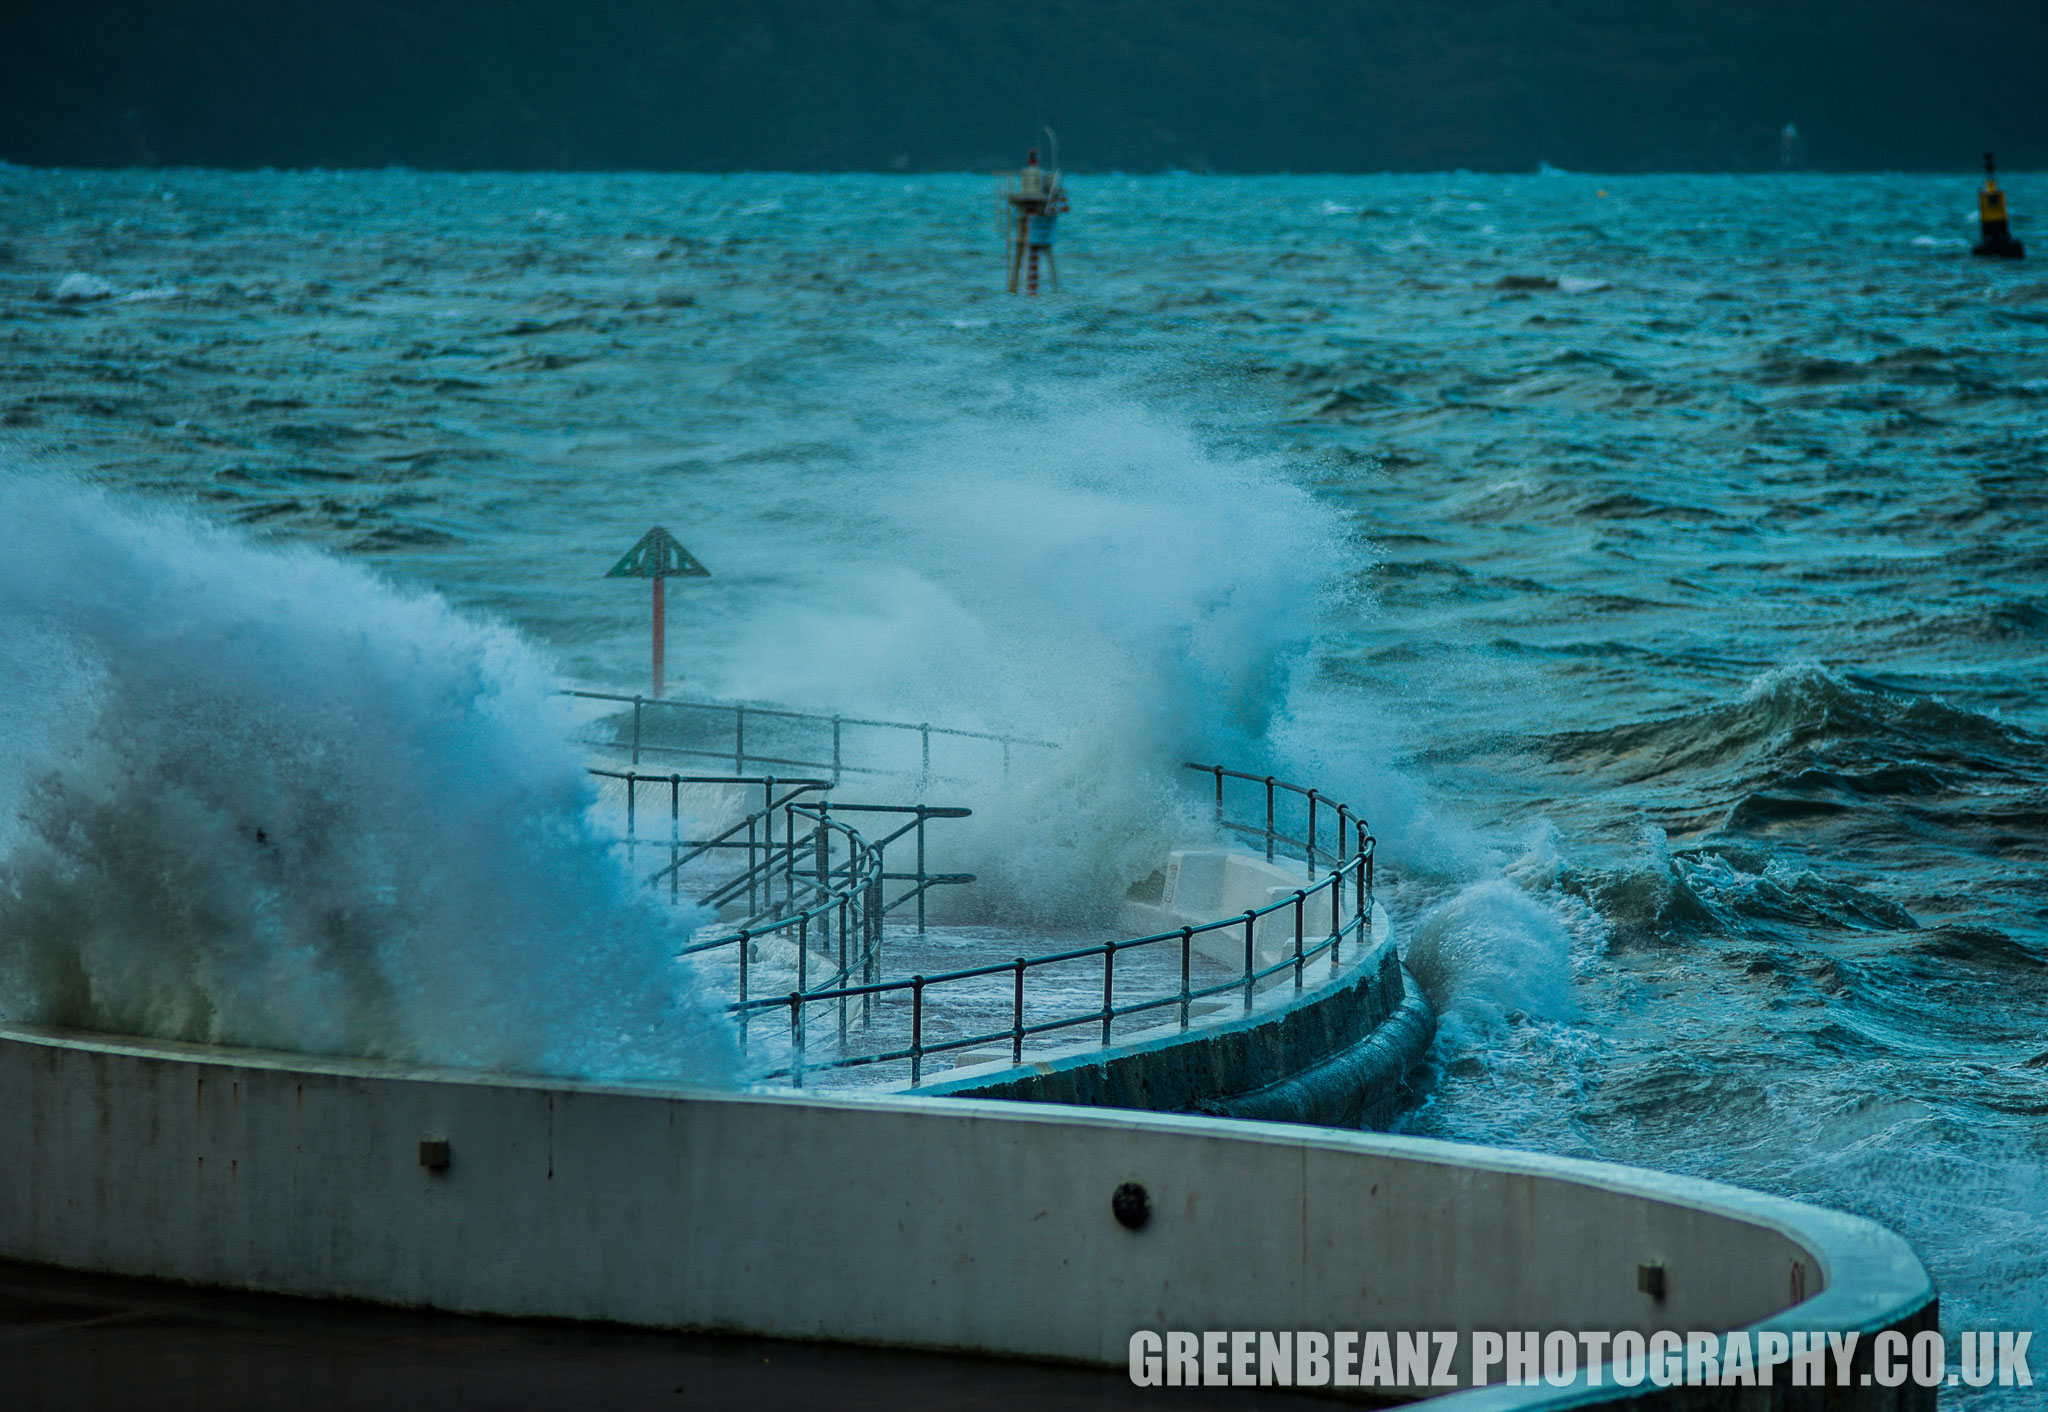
1659	561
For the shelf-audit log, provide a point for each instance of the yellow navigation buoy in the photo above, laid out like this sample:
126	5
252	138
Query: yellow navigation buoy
1995	235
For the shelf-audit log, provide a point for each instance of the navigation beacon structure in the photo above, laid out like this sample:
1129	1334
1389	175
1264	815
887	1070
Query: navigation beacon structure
1035	204
1994	233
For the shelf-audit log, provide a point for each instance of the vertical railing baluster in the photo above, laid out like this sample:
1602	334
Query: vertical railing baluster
1300	915
823	863
925	771
1017	1017
632	797
1269	818
1219	794
746	944
796	1038
767	843
1251	922
835	750
1311	850
1187	946
636	730
1108	988
675	835
803	952
1364	867
920	870
916	1030
739	740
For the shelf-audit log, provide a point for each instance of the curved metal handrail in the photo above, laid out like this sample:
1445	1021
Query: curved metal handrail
1348	871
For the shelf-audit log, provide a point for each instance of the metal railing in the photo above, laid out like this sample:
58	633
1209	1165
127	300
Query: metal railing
702	726
1346	878
821	885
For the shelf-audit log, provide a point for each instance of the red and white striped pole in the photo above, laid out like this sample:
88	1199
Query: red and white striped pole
660	633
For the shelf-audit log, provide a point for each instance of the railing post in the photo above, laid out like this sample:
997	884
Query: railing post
636	729
739	740
916	1030
753	867
1269	818
789	853
840	984
1017	1018
632	795
824	849
1311	835
1300	909
675	835
1187	942
1336	921
920	870
1251	922
925	774
767	841
871	954
1219	793
1364	867
835	750
803	952
746	944
796	1038
1108	987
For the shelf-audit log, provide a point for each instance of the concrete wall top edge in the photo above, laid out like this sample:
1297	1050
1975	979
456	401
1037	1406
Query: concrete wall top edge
1868	1275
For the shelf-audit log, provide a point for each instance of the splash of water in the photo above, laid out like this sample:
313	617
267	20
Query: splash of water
260	798
1069	568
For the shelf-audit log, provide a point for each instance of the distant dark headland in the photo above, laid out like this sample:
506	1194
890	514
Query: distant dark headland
1138	85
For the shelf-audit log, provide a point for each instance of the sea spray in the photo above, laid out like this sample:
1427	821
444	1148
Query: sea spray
1068	567
260	798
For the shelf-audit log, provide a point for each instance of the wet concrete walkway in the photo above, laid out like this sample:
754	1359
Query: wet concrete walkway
89	1343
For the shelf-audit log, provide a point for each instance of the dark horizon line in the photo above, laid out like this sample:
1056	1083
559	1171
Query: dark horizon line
1972	167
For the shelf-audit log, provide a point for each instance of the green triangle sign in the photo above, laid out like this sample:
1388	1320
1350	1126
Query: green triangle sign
658	556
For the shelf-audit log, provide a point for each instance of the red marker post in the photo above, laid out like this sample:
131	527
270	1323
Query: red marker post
658	556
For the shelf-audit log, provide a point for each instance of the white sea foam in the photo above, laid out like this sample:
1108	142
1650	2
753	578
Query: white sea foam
1067	568
260	798
1492	950
78	287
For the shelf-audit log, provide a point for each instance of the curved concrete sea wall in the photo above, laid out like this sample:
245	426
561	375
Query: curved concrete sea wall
1336	1054
973	1226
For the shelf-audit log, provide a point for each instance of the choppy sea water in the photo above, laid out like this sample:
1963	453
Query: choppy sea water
1659	561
